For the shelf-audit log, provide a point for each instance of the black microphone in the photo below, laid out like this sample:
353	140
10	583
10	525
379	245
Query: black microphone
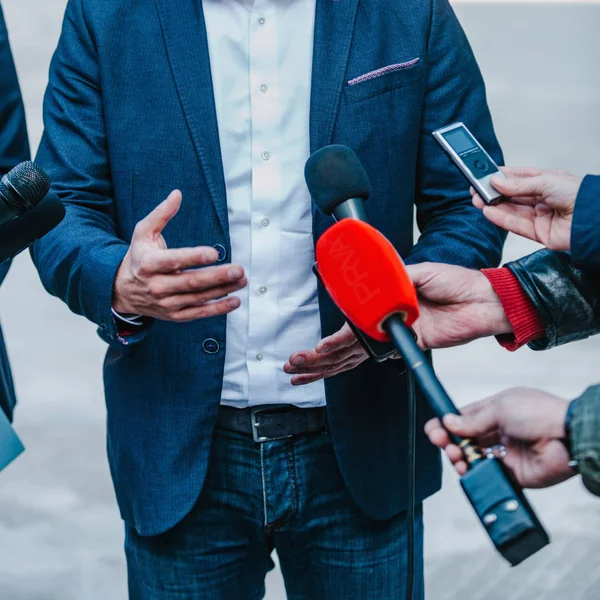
340	186
27	210
21	190
338	183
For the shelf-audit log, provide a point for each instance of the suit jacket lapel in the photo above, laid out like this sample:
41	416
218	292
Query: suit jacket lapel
184	30
334	29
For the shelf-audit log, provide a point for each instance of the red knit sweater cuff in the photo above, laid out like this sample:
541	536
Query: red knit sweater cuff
520	310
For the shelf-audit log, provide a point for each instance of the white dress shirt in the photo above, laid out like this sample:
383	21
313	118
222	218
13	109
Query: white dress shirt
261	61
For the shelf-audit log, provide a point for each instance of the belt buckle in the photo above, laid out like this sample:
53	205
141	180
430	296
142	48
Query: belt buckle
254	412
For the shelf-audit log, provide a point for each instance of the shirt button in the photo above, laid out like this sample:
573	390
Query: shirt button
260	356
265	222
262	21
262	290
264	88
266	155
210	346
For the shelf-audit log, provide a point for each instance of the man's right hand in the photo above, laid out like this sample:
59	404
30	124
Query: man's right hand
457	306
167	284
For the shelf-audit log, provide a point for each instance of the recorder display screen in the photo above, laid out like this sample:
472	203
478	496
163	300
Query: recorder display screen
460	140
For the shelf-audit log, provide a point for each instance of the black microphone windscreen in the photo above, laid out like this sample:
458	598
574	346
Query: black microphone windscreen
334	174
20	232
24	187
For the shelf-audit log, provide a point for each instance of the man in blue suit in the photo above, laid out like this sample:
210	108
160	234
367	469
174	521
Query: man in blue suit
239	425
14	149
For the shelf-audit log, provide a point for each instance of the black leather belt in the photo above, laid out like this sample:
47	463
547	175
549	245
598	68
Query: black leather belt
270	423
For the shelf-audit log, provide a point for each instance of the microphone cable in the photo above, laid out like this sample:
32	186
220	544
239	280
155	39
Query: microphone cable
410	506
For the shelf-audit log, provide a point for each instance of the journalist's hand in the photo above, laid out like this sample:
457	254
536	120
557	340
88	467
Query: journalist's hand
457	305
529	423
540	205
333	355
166	284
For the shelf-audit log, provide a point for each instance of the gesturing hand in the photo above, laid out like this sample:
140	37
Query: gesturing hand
540	205
333	355
457	306
166	284
529	423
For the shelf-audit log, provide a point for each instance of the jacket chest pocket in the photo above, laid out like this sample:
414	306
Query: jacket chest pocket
385	79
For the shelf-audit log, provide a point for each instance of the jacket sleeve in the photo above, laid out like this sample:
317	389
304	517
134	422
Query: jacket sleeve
78	260
452	229
585	438
567	299
585	232
14	145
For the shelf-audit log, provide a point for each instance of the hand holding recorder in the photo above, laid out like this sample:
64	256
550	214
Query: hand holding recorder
539	204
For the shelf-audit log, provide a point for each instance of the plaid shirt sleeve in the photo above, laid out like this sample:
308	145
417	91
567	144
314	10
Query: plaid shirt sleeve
585	438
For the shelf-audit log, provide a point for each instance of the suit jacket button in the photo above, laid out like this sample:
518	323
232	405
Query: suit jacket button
222	252
210	346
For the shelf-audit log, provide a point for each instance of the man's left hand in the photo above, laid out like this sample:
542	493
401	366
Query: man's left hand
333	355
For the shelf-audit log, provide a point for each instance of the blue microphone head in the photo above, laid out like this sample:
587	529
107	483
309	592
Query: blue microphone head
334	174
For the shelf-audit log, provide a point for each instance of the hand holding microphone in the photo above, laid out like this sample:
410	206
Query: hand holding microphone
167	284
458	305
530	424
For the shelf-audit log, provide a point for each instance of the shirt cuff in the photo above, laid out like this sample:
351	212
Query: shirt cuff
128	324
519	309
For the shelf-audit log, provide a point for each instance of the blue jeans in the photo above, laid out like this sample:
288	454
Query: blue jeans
286	495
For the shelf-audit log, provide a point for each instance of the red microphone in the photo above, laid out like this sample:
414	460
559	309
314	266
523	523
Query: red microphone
367	280
366	277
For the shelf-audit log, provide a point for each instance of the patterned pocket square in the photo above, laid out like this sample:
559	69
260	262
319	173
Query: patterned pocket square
385	70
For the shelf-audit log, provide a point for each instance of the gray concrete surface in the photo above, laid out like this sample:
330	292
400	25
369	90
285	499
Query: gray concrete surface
60	533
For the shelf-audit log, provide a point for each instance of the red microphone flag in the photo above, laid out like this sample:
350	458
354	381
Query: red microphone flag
365	277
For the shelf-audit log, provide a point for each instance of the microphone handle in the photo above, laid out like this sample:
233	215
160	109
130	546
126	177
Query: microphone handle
439	400
18	233
353	208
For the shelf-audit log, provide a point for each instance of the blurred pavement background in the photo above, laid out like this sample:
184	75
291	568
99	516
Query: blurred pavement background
60	532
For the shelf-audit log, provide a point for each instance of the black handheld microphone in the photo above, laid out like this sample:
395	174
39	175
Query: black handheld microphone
27	210
366	278
332	173
21	190
340	187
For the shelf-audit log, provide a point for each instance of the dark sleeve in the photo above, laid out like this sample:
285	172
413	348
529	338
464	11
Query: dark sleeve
14	145
585	437
79	259
453	230
567	299
585	232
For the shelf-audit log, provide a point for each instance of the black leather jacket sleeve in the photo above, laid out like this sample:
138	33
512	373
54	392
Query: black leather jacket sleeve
567	299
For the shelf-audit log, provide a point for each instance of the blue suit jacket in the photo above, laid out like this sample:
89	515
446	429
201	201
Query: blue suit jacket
14	148
130	115
585	234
